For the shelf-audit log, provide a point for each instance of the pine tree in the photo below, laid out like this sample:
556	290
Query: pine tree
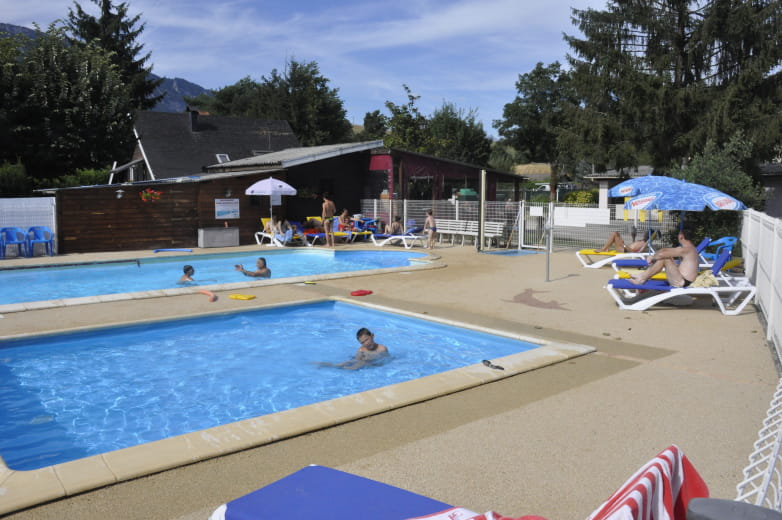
118	34
658	79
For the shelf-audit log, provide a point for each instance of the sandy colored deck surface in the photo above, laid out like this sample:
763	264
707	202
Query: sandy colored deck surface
553	442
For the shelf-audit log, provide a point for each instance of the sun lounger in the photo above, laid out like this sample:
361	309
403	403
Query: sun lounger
325	493
407	239
731	295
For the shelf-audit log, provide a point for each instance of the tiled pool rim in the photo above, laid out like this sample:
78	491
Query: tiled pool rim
22	489
427	262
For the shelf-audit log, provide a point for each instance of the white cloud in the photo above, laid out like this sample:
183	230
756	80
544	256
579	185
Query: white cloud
468	52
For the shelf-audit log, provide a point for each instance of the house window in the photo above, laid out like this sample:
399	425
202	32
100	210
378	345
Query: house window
222	157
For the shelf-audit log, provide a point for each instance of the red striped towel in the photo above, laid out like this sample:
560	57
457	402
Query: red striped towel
460	513
660	490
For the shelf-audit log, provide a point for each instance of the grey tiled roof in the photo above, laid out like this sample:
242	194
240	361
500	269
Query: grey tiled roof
293	156
178	144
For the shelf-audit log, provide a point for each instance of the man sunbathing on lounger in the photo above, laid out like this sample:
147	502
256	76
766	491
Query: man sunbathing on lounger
679	275
368	353
395	228
615	241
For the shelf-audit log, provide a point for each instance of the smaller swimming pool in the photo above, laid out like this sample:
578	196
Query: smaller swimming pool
69	396
56	282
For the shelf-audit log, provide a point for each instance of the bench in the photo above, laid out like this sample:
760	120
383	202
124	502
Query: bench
469	228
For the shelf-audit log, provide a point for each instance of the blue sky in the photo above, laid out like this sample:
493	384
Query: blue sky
466	52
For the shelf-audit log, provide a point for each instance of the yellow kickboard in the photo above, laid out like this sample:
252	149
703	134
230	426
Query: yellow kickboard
242	296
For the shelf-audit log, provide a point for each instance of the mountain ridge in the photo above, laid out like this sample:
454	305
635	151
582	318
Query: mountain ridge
175	89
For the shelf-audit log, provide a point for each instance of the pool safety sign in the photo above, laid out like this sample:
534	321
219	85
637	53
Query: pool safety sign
226	209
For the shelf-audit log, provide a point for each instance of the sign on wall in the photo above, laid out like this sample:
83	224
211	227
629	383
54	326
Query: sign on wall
226	209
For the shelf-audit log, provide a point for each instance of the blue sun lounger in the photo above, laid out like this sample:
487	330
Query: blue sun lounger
328	494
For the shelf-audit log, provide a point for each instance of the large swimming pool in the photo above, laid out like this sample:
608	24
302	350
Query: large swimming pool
55	282
69	396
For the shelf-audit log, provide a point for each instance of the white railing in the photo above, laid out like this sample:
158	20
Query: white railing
575	225
761	244
762	484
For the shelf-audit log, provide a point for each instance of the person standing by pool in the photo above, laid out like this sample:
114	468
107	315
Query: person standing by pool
261	272
430	228
368	353
188	274
327	216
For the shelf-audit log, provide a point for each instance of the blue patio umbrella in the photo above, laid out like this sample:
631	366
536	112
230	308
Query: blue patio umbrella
645	184
684	196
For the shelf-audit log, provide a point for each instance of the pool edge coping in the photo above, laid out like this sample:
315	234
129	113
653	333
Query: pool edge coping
23	489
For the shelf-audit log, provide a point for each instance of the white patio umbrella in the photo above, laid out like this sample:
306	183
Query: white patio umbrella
271	187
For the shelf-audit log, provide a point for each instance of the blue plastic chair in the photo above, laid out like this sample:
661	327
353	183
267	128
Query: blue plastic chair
721	245
14	236
40	235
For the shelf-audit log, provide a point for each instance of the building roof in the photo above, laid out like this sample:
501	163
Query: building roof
622	173
293	156
181	144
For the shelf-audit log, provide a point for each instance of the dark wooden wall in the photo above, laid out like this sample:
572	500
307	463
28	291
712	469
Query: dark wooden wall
93	219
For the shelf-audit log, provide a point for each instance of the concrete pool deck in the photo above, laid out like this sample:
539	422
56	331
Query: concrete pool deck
554	441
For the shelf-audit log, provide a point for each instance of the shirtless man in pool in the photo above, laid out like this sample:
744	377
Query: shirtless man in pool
368	353
679	275
261	272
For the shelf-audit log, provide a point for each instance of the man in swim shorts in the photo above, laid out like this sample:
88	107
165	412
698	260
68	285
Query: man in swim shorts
261	272
679	275
327	216
430	229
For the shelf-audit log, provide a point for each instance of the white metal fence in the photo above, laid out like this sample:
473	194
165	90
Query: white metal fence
575	225
27	212
762	483
761	242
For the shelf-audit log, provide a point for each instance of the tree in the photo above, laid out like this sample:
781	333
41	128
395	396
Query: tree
375	127
458	136
300	95
657	80
118	34
408	129
450	133
66	107
239	99
723	168
503	156
532	123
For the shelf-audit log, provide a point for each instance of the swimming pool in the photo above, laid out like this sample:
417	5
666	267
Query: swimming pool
73	395
56	282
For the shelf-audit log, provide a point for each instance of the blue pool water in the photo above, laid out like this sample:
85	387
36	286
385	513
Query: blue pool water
54	283
69	396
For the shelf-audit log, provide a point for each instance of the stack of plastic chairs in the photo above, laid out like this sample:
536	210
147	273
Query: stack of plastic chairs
13	236
40	235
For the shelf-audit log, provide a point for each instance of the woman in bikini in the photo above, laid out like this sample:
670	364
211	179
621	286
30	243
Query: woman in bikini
615	241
